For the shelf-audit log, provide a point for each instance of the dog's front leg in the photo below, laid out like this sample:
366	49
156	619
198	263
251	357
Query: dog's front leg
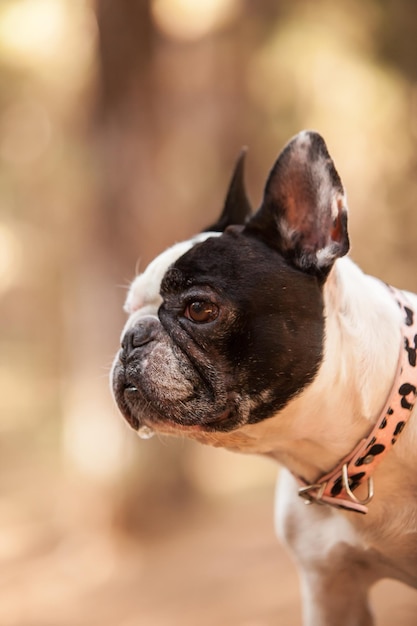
333	597
334	569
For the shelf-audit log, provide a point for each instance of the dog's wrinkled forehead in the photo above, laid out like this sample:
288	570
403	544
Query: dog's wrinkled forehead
144	291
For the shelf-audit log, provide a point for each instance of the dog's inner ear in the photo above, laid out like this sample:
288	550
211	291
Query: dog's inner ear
304	211
237	209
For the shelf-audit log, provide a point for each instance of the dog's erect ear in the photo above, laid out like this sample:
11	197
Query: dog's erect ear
304	211
237	209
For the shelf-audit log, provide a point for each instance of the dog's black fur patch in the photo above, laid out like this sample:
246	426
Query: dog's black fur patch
269	337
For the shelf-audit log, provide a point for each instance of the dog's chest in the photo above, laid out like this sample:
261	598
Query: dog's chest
381	544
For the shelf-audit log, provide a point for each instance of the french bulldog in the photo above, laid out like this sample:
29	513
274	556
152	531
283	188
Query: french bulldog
260	335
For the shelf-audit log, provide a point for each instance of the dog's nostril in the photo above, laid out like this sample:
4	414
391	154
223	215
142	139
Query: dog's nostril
122	354
141	335
138	336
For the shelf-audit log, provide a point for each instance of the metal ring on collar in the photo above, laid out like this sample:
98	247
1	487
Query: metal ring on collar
345	480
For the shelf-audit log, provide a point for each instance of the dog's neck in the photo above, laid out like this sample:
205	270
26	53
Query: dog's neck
325	422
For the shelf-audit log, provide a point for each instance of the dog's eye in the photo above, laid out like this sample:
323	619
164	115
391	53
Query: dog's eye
201	311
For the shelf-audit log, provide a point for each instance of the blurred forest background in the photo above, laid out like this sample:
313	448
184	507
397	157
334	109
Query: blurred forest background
120	121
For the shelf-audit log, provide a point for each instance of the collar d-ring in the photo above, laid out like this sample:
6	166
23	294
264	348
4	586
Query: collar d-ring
346	485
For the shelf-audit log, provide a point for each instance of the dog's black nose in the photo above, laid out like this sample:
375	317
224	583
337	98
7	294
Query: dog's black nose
139	335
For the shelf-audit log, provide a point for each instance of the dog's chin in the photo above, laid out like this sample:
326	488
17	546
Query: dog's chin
140	412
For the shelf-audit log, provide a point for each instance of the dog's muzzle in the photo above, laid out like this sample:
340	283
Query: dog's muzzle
136	341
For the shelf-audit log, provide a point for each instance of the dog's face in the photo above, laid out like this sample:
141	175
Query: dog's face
225	329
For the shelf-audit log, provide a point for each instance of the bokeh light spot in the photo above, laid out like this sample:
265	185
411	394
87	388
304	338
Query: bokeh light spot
191	20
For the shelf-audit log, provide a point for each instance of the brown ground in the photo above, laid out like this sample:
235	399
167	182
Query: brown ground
218	565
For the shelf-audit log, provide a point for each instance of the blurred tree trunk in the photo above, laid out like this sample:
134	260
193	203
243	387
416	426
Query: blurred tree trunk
396	45
97	442
165	128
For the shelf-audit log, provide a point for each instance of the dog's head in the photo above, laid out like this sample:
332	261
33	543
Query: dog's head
226	328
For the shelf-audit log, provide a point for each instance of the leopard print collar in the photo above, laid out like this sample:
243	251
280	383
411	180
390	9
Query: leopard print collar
337	487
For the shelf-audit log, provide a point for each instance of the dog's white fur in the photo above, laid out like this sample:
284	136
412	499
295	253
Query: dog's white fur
143	293
339	554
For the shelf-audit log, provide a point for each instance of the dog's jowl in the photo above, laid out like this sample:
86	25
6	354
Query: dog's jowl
260	335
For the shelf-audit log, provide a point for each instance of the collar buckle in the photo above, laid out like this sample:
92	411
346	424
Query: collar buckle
309	498
314	493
